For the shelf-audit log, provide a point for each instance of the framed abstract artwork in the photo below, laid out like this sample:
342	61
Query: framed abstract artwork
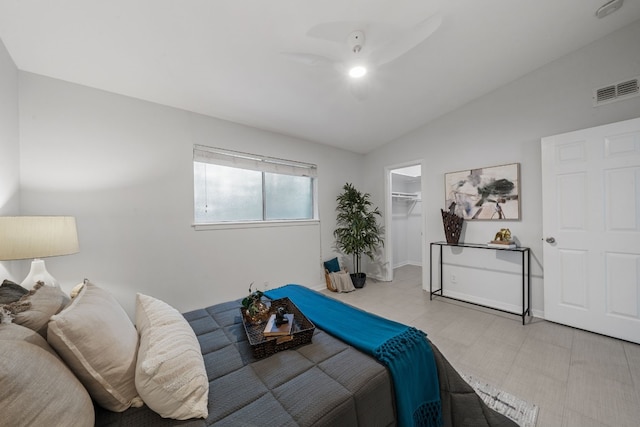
491	193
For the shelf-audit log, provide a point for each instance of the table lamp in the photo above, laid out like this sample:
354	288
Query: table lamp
35	237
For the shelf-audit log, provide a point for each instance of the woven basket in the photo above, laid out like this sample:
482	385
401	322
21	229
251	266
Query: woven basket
301	332
452	226
327	279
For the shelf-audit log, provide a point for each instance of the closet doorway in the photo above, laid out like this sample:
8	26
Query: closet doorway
404	225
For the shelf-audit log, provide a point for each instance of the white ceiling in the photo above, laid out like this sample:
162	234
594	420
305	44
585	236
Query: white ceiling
224	58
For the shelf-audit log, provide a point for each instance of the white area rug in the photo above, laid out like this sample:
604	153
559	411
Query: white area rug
520	411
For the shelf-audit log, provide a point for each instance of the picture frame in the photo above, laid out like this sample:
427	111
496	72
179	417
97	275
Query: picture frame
489	193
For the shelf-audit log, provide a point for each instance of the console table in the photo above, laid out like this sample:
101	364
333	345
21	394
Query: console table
526	275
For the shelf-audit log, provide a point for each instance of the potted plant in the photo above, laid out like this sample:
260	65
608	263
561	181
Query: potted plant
358	231
255	310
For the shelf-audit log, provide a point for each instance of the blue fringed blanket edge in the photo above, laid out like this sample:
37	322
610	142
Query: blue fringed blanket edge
404	350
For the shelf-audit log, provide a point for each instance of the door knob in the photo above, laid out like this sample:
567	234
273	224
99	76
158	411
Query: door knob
550	240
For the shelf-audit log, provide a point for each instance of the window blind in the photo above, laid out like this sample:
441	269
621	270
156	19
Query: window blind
255	162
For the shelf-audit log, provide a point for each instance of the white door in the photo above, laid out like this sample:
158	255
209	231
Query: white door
591	224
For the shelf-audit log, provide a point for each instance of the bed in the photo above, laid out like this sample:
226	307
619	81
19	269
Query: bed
327	382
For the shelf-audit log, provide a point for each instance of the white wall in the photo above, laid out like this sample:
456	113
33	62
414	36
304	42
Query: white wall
506	126
123	167
9	146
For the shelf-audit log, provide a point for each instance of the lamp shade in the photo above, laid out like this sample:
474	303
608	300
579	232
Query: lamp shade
28	237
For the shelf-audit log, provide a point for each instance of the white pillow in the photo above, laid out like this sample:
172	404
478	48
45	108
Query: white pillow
97	340
170	373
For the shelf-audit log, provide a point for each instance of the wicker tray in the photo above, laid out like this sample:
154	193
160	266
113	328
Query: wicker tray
301	331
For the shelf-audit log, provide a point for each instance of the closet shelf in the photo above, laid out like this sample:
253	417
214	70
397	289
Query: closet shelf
410	198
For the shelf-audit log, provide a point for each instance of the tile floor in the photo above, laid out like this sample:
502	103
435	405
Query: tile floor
576	378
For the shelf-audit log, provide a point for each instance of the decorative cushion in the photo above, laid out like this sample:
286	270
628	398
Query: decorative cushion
34	309
11	292
97	340
170	373
6	317
37	388
77	288
332	265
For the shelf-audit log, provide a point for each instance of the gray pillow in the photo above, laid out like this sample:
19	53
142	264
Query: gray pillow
35	308
11	292
37	388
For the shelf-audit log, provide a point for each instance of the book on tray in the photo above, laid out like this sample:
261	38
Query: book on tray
273	330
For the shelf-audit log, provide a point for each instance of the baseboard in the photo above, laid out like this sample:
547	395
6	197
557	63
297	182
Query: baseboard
497	304
501	305
402	264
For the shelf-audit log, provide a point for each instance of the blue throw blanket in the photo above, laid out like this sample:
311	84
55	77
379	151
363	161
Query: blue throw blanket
404	350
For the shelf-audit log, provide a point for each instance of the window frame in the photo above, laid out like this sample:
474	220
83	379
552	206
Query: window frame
263	164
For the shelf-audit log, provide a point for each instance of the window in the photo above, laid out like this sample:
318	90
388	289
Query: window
235	187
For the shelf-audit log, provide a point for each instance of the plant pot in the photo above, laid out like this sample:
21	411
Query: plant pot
257	313
358	279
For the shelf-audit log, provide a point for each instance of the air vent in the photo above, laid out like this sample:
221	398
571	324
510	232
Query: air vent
616	92
628	88
606	93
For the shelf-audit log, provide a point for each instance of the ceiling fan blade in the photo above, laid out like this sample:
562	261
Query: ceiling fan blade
309	59
398	47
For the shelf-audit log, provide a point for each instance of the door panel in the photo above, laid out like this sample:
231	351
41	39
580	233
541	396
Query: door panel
591	207
622	285
622	145
573	289
622	188
572	201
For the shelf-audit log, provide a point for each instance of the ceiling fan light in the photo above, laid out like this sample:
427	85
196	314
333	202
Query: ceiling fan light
357	71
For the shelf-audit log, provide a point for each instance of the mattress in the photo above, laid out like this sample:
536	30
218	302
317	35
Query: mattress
323	383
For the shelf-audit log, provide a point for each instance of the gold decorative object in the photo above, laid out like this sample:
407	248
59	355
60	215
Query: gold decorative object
504	235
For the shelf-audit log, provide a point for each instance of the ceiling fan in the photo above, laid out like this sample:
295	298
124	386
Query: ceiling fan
354	57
